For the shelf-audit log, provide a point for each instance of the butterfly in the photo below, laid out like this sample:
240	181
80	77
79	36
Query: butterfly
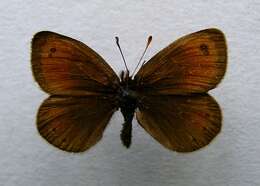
168	94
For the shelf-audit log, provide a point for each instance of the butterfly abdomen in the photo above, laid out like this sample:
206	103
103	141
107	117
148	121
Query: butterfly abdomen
126	134
127	108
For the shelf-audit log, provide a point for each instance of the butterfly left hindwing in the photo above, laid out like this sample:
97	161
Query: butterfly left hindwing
74	123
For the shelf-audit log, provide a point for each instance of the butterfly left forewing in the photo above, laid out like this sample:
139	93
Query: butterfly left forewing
65	66
194	63
180	123
74	124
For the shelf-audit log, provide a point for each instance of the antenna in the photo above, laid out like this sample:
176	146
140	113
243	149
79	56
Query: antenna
149	40
117	43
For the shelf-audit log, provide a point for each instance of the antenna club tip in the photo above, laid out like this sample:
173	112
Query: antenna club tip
149	39
117	38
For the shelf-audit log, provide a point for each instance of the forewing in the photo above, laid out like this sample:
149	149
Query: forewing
64	66
74	123
180	123
193	64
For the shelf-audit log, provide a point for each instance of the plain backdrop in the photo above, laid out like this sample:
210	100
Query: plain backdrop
231	159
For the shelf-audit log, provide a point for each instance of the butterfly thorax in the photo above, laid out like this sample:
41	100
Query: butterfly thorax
127	104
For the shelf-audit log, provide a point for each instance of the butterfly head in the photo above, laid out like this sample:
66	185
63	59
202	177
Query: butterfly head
128	97
127	92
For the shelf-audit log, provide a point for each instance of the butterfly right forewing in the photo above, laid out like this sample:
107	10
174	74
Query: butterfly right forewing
192	64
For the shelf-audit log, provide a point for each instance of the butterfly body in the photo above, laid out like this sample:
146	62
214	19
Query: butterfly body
128	102
168	95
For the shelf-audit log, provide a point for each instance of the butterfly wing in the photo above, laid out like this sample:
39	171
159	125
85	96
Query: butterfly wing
169	111
82	87
180	123
64	66
74	123
193	64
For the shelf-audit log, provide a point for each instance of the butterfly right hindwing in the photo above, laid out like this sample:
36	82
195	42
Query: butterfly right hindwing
180	123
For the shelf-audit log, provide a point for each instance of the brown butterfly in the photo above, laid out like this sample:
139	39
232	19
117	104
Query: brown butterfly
168	93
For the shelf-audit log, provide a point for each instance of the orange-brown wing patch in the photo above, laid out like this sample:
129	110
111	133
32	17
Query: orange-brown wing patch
180	123
64	66
74	124
193	64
